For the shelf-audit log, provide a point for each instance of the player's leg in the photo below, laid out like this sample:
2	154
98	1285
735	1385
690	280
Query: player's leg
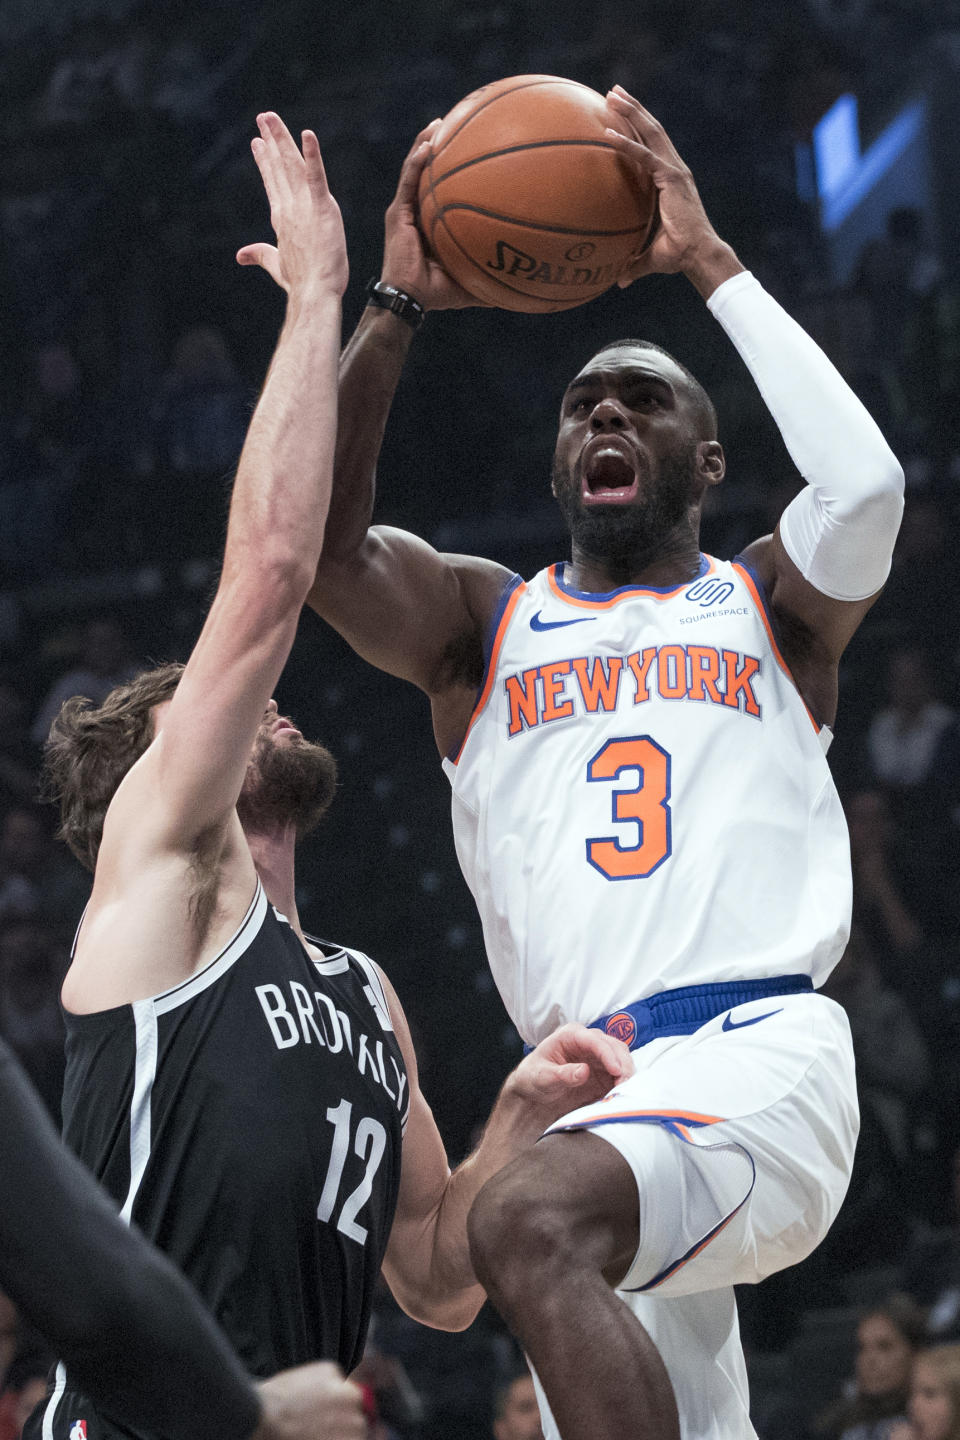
550	1236
709	1200
698	1337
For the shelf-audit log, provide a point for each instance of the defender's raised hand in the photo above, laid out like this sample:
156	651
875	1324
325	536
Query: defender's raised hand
406	263
310	255
685	240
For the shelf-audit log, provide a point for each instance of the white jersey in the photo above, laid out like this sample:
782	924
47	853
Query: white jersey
642	800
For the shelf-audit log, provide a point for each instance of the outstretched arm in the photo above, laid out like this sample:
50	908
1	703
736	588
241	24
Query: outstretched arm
279	505
399	603
427	1264
188	782
172	824
832	549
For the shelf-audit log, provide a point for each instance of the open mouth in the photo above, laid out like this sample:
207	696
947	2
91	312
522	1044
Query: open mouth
609	475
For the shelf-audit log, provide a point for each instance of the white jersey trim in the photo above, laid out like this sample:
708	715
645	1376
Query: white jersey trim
377	996
50	1413
336	964
375	991
141	1139
145	1072
247	931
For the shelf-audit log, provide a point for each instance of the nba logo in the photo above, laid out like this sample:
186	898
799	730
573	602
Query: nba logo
78	1430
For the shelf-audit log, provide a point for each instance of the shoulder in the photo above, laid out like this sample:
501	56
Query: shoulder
371	976
375	984
395	1010
482	583
382	985
758	558
154	920
796	622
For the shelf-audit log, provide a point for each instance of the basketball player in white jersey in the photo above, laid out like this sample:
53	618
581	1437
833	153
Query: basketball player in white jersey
643	809
207	1037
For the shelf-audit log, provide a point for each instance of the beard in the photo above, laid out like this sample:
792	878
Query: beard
623	536
292	782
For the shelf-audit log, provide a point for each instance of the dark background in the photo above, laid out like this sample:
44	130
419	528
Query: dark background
132	349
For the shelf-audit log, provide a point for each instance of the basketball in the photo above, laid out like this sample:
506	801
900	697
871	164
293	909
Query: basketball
525	202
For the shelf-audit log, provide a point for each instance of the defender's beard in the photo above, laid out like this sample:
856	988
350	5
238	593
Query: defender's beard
623	534
292	782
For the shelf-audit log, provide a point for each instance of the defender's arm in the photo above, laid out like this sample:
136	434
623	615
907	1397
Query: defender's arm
427	1264
187	783
400	604
172	839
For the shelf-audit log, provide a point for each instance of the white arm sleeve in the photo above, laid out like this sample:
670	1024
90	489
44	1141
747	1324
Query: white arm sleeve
839	532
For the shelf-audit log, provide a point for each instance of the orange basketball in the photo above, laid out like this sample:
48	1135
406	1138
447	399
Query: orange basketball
524	200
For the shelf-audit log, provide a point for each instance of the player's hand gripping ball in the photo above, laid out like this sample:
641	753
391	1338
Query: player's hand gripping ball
525	202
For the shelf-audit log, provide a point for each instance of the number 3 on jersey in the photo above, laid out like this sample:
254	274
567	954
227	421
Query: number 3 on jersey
645	805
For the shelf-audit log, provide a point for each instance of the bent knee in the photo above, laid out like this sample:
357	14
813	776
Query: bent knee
571	1203
512	1222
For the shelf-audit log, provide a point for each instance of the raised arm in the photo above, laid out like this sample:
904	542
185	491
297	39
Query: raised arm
400	604
278	510
831	552
189	780
427	1264
172	856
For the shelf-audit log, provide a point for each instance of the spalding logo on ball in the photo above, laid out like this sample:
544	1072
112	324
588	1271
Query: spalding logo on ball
525	202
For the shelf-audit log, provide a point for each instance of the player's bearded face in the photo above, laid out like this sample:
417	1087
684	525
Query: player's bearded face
618	533
289	780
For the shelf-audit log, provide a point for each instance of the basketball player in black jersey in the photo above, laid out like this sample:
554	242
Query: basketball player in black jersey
240	1089
120	1312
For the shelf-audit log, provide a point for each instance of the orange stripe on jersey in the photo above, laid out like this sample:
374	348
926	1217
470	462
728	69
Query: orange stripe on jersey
680	1117
628	592
748	580
495	648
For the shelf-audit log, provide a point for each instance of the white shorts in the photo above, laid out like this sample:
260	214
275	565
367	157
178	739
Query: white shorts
741	1138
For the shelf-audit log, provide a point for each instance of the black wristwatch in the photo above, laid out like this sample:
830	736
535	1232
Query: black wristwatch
388	297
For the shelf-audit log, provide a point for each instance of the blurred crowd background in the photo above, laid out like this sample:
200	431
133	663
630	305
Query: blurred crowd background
133	349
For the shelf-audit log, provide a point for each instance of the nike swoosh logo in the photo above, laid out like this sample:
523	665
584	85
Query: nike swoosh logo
537	624
729	1024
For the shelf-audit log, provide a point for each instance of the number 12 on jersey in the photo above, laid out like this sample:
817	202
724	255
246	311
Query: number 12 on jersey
645	805
369	1144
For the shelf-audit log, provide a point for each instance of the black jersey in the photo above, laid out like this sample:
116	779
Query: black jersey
249	1122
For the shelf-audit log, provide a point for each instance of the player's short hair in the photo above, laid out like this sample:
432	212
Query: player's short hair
91	747
704	407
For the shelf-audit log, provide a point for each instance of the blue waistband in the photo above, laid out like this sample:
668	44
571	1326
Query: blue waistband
681	1011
